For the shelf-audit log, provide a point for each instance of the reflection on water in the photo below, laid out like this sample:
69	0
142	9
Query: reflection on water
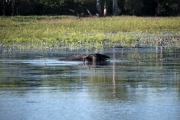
137	83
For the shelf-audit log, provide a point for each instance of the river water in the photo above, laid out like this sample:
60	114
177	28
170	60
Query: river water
136	83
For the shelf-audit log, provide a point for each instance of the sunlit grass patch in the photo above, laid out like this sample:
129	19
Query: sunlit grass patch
124	29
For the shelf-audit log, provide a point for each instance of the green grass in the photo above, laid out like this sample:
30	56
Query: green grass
91	29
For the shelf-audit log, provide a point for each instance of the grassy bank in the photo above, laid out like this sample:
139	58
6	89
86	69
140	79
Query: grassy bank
91	29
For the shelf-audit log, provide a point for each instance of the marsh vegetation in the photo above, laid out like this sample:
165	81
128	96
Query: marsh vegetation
92	31
142	72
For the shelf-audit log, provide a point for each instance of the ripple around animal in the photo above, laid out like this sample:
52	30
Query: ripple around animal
43	62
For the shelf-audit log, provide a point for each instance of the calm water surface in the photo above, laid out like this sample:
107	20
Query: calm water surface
136	83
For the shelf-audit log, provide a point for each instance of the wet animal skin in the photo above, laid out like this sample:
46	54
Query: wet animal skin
96	57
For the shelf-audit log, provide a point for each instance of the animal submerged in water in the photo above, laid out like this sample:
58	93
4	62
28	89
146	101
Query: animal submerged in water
96	58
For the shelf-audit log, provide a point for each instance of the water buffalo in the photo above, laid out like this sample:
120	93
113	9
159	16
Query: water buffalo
96	57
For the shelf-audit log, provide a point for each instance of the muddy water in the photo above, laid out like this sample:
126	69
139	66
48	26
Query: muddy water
136	83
